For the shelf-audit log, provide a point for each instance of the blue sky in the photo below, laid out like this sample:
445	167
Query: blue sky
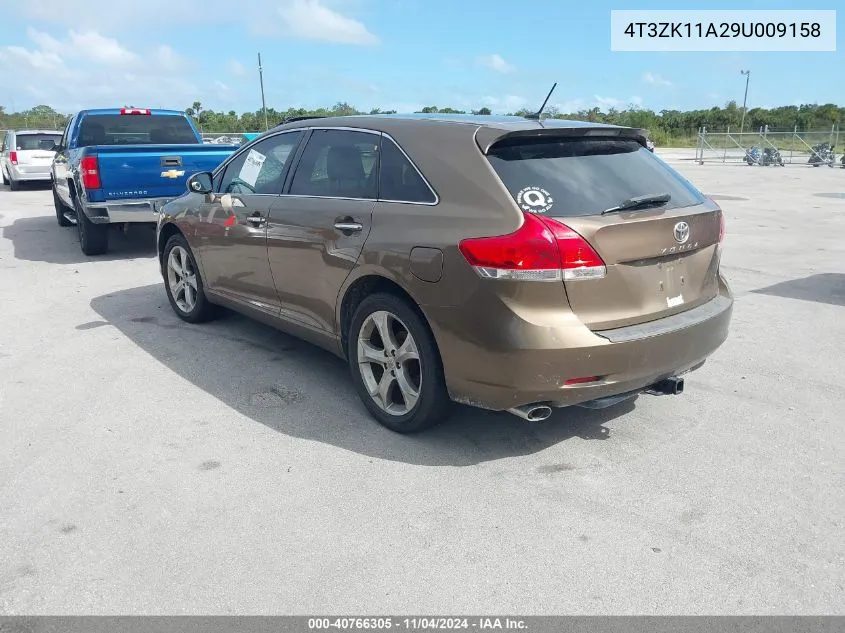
398	54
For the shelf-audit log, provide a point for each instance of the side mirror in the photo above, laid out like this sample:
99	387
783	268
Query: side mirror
200	183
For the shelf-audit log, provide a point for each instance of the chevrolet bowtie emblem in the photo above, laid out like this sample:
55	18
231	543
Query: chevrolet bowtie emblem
172	173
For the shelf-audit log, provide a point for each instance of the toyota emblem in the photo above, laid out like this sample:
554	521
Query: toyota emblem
681	232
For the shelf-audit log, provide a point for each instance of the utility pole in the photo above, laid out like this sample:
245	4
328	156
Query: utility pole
263	104
747	74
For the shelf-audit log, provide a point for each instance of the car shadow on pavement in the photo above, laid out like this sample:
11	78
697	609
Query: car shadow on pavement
305	392
41	239
821	288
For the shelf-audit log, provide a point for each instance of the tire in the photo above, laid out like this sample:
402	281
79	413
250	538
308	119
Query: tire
61	209
14	185
201	309
93	238
380	312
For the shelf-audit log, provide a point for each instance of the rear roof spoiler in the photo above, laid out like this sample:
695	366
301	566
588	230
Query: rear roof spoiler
486	137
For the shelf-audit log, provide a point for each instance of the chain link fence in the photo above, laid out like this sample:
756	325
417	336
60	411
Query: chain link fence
795	147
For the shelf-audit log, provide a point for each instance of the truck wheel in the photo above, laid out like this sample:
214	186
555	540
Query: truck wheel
14	185
93	238
183	283
396	365
61	209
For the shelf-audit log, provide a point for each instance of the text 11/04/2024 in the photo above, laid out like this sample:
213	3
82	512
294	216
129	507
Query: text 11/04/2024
714	31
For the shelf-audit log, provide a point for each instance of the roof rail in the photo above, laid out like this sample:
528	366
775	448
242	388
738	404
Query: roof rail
303	118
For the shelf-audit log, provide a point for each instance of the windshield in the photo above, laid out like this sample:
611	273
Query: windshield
565	177
135	129
43	142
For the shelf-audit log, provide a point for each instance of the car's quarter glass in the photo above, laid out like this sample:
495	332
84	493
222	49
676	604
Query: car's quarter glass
322	222
232	222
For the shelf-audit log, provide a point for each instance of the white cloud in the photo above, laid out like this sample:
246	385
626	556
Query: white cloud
236	68
88	69
495	62
506	103
656	80
94	47
312	20
605	103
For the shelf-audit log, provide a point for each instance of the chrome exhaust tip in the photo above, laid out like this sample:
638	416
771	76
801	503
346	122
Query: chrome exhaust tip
532	412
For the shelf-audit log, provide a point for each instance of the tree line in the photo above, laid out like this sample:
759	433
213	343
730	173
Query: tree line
665	126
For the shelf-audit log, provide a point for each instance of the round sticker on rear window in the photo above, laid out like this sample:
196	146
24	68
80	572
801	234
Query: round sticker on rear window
534	200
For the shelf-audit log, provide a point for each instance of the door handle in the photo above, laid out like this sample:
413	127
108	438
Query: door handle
256	220
353	227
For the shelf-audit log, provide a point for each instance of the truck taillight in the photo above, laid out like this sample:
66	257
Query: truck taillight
721	226
541	249
134	111
13	157
90	169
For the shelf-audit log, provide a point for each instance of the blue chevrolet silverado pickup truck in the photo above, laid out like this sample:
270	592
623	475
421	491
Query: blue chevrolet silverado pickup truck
118	166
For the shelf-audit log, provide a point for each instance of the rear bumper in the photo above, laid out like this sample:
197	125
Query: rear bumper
125	211
29	172
626	360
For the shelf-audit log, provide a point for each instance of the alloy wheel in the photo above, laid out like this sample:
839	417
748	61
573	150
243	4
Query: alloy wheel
182	279
389	362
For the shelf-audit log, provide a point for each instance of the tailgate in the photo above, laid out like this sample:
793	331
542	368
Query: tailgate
661	255
36	148
154	170
650	274
35	158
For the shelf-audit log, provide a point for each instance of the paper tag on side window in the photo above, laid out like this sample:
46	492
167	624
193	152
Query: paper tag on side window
251	167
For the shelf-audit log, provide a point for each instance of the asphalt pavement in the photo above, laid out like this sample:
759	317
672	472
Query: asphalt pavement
148	466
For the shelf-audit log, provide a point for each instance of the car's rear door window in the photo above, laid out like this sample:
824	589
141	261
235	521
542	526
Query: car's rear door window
584	175
338	164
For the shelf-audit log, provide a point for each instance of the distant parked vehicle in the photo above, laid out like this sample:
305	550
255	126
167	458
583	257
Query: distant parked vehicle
26	156
822	154
118	166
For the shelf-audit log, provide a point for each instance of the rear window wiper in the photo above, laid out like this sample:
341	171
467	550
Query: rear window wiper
640	202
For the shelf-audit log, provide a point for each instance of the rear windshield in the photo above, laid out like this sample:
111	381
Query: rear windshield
36	141
135	129
585	176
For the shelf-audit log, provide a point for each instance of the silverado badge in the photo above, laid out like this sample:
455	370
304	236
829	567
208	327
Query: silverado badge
172	173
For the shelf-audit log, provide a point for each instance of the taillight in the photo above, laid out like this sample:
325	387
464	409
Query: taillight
13	157
541	249
134	111
721	226
90	169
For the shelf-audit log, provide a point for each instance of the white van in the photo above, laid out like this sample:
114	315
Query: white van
26	155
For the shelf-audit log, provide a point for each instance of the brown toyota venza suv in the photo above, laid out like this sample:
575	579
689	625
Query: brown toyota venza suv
501	262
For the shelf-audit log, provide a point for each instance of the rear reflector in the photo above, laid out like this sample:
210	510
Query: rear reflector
90	170
13	158
578	381
134	111
721	226
541	249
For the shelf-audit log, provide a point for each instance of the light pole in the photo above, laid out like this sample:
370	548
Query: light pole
261	79
747	74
